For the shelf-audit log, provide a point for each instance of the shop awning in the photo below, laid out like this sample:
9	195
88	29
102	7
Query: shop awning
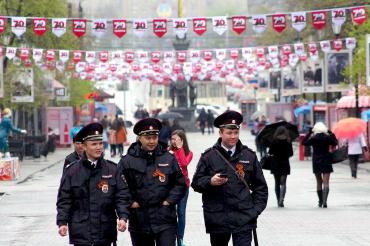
350	102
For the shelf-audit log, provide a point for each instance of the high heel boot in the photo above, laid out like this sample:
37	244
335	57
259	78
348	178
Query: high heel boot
319	194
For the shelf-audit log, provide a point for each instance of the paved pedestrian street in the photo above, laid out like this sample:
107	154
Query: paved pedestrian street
27	209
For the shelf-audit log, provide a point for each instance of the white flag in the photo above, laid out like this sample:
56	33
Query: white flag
90	56
59	26
37	54
299	21
350	43
259	23
139	26
64	55
19	25
219	24
180	26
325	46
221	54
10	52
99	27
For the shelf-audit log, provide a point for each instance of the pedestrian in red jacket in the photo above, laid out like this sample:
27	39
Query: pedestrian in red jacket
180	147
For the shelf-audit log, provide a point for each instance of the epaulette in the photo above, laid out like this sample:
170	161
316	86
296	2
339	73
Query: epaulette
70	164
207	150
247	148
111	162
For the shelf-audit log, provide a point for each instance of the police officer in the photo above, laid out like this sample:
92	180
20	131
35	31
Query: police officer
156	184
92	195
229	206
77	153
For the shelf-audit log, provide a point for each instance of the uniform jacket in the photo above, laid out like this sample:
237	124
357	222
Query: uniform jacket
89	201
230	207
71	158
152	178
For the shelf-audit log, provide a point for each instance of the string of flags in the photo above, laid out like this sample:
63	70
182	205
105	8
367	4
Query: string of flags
199	25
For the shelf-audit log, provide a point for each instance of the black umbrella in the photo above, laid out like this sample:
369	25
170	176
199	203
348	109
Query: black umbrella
265	136
170	115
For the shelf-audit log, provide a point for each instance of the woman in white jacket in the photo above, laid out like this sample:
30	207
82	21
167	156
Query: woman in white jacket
356	147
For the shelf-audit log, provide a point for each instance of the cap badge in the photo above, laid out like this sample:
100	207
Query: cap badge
96	132
233	121
150	127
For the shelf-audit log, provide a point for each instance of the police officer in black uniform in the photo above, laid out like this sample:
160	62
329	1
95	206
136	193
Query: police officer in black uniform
156	184
92	195
77	153
229	206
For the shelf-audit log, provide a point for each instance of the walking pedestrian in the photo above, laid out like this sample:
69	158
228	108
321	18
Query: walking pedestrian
234	190
210	119
121	136
281	149
157	185
356	147
202	120
180	147
93	199
165	132
320	138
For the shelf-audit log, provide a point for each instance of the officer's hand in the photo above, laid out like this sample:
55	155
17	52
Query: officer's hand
135	205
217	180
121	224
165	203
63	230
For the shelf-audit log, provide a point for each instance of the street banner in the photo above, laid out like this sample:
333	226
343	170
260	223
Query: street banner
50	55
273	51
221	54
338	44
129	56
77	56
117	56
10	52
180	27
298	48
64	55
200	25
259	23
359	15
79	27
160	27
338	16
207	55
99	27
335	63
219	24
312	47
350	43
318	19
155	56
24	53
168	56
234	53
299	21
119	27
239	24
37	54
286	49
103	56
275	81
2	24
142	56
260	52
263	80
19	25
291	81
181	56
325	46
367	43
90	56
39	26
279	22
139	26
194	55
59	26
22	87
312	74
1	77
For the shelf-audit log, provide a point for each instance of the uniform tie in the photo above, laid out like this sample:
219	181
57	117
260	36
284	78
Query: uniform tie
229	152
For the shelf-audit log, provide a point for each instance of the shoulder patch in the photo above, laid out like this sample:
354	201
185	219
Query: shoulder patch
111	162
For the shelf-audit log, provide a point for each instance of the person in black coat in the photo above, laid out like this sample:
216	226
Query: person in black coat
76	154
92	195
156	184
281	149
320	138
229	207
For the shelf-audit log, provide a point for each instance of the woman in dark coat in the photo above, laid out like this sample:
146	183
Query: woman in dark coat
281	149
320	138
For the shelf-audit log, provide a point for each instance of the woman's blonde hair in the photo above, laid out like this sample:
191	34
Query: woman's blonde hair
319	127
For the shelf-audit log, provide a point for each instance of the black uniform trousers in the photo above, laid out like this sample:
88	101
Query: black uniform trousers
243	238
163	238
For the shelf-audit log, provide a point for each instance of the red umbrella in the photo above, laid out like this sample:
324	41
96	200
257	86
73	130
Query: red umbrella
349	128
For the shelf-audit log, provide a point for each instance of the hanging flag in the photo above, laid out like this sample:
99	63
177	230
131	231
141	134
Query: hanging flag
19	25
279	22
207	55
139	26
259	23
79	27
77	56
287	49
199	25
221	54
234	53
50	55
247	53
168	56
319	19
293	60
155	56
239	24
180	26
129	56
299	21
160	27
117	56
338	16
359	15
119	27
194	55
325	46
260	52
103	56
350	43
312	47
299	48
314	55
273	51
39	26
99	27
37	54
90	56
181	56
64	55
2	24
219	24
59	26
338	44
143	56
303	57
24	53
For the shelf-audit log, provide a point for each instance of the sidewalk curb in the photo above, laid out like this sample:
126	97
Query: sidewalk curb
25	179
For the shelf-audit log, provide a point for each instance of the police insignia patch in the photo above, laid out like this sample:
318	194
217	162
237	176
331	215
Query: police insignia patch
240	169
103	185
161	176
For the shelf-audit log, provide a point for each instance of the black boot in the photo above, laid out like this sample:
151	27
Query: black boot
277	193
282	195
319	194
354	174
325	194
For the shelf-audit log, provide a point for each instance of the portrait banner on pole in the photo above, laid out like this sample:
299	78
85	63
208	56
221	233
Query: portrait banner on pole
336	62
22	86
311	73
368	59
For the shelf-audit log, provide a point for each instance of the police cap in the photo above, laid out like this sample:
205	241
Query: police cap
91	132
77	136
229	119
147	126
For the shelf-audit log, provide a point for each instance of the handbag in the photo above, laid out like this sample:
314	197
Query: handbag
339	154
266	162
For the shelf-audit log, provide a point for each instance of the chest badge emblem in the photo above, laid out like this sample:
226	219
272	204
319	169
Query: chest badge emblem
161	176
240	169
103	185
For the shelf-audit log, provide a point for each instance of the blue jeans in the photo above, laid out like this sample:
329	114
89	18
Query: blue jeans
181	214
